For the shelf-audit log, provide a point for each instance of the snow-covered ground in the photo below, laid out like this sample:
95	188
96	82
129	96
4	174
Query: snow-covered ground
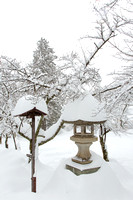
114	181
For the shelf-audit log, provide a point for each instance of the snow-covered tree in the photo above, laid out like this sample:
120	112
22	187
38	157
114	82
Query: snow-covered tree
59	82
112	23
118	95
45	75
7	100
78	77
44	61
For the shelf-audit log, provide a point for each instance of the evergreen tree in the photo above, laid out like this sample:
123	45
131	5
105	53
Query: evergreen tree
45	74
44	62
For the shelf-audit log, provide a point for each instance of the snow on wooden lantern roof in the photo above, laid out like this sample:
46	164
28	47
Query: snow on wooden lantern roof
28	105
86	110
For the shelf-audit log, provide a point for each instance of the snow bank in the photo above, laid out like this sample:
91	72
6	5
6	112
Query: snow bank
59	183
27	103
102	185
15	174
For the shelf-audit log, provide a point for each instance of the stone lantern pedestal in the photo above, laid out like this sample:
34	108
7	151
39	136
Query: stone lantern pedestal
82	162
83	156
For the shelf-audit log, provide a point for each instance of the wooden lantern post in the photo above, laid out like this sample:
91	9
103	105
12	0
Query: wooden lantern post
33	176
31	114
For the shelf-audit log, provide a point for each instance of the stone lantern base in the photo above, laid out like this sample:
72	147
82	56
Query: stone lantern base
81	163
77	171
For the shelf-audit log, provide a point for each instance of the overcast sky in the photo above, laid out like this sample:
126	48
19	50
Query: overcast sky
61	22
24	22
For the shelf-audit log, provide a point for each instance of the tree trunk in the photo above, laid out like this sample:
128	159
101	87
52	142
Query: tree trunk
102	138
56	132
14	141
1	139
6	142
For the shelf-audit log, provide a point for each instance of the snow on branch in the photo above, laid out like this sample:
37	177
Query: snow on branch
108	25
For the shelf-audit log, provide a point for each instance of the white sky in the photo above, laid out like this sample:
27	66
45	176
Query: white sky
61	22
24	22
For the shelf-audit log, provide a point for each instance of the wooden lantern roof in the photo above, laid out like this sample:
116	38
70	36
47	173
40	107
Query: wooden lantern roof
32	112
29	106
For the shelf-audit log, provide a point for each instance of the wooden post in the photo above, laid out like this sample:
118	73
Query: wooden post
31	114
33	178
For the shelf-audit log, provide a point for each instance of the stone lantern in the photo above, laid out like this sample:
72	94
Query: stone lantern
84	114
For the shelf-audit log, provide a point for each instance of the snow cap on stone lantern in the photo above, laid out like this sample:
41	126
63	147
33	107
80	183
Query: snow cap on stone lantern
86	108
